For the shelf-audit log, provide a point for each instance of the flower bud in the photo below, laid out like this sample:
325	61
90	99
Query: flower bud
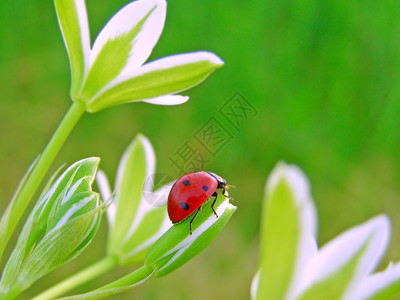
60	226
113	71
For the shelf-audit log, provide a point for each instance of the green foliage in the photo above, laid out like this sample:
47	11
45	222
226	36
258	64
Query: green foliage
322	75
177	246
6	215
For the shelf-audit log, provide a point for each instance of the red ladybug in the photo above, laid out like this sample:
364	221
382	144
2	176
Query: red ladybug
190	192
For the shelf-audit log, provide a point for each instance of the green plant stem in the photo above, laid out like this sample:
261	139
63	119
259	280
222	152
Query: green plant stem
53	147
129	280
97	269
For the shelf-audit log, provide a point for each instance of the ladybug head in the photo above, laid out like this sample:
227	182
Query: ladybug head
221	181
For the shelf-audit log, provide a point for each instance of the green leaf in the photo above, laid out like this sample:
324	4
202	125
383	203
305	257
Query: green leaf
72	18
6	215
97	221
175	247
129	188
164	76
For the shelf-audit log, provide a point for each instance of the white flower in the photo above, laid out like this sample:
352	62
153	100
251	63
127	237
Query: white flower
113	71
291	265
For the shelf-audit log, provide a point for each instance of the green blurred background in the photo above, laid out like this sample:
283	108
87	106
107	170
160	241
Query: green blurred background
323	76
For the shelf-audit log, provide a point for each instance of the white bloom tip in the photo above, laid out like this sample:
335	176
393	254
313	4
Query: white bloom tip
213	58
167	100
292	173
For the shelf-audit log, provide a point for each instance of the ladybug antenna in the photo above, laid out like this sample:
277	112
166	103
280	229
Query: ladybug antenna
230	186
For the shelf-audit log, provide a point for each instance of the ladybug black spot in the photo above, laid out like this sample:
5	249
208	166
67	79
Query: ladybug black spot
186	183
205	188
184	205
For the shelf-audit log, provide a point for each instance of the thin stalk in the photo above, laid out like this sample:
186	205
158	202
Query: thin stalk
131	279
53	147
102	266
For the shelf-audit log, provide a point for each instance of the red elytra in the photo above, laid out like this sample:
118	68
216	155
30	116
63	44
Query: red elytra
190	192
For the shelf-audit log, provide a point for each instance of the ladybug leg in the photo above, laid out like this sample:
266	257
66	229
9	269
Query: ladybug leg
191	221
225	193
212	205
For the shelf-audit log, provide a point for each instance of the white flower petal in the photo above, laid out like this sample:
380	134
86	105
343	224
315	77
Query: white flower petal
159	197
85	34
73	21
142	210
377	282
168	63
254	285
125	20
103	185
373	235
166	76
150	164
152	239
167	100
105	192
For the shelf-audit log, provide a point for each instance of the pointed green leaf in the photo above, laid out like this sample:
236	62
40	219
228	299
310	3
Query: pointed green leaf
4	233
85	242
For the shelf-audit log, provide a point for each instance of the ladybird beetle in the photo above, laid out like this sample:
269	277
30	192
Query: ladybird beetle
190	192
